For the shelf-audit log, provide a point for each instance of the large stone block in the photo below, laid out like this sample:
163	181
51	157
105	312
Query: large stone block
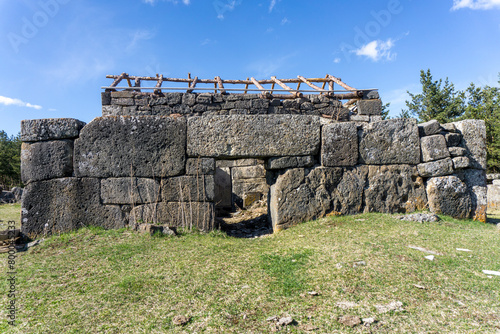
393	141
125	146
493	193
200	166
176	214
434	148
50	129
66	204
238	163
394	188
289	162
475	179
130	190
339	145
46	160
429	128
249	172
448	195
369	107
474	140
436	168
348	195
188	188
253	135
302	194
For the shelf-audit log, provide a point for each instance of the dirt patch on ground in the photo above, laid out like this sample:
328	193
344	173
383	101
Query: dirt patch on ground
250	223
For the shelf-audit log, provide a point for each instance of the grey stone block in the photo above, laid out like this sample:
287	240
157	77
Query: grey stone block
188	188
369	107
436	168
66	204
449	127
376	118
453	139
105	98
339	145
370	95
199	215
360	118
189	99
141	146
461	162
50	129
122	101
475	179
457	151
289	162
434	148
260	104
238	162
112	110
242	187
200	166
253	136
249	172
123	94
474	140
204	98
46	160
393	141
448	195
394	188
128	190
429	128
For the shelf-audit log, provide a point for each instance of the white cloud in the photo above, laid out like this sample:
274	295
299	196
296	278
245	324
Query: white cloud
337	60
138	36
377	50
272	4
284	21
475	4
16	102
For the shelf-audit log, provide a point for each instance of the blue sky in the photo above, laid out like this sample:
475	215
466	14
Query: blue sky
55	54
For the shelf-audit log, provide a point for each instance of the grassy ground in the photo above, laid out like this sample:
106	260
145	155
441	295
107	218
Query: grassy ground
10	212
94	281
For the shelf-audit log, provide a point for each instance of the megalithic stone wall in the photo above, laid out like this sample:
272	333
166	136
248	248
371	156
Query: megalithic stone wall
153	158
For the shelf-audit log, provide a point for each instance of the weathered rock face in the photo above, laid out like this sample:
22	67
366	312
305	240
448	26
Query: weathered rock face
475	179
188	189
50	128
434	148
128	190
253	136
66	204
147	146
448	195
339	145
429	128
436	168
393	141
395	188
493	193
474	140
370	107
289	162
46	160
176	214
200	166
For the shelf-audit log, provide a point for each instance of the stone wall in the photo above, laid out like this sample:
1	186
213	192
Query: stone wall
164	158
493	191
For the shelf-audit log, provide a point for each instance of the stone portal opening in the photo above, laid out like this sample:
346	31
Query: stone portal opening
241	193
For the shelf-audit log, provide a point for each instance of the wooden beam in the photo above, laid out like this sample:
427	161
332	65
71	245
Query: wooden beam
256	83
324	84
137	83
340	83
159	82
192	85
221	85
290	90
118	79
246	87
307	82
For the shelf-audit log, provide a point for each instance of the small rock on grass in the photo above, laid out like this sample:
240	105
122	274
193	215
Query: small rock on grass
368	321
359	264
285	321
180	320
393	306
350	320
491	272
430	257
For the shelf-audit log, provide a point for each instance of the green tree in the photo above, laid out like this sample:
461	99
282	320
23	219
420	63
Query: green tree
484	103
385	111
437	101
10	160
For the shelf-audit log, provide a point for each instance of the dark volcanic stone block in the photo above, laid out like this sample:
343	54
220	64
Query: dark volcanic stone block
46	160
50	129
393	141
253	136
369	107
66	204
141	146
339	145
188	189
126	190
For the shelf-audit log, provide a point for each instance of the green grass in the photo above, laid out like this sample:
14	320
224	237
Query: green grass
10	212
96	281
